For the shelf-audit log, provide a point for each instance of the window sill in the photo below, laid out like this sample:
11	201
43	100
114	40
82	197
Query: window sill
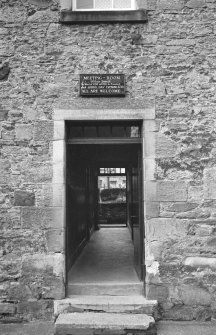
71	17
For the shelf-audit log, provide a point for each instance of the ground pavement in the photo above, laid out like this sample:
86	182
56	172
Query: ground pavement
164	328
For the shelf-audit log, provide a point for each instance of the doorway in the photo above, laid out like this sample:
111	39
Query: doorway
103	213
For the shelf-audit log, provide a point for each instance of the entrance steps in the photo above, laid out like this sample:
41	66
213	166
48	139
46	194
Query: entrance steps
107	304
113	289
107	315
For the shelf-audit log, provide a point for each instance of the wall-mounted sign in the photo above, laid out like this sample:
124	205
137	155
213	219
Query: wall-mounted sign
102	85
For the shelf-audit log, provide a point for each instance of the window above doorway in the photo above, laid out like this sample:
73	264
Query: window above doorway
95	11
112	171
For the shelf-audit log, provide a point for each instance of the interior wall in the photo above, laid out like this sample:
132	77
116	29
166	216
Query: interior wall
76	205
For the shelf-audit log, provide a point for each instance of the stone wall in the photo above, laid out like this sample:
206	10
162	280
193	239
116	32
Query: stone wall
170	66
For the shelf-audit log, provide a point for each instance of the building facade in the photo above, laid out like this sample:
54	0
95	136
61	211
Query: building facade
168	59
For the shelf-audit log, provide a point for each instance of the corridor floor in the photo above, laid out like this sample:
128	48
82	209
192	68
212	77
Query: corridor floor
108	257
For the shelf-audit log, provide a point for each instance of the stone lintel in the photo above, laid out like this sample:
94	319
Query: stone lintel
104	114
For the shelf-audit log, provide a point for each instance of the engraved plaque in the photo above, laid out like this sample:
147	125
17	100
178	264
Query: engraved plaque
102	85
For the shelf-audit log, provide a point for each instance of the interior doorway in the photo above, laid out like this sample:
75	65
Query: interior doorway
104	230
112	197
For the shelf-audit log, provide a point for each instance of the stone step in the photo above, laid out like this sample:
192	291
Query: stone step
118	289
104	323
109	304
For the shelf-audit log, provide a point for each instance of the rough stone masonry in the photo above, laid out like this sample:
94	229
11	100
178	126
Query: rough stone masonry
170	65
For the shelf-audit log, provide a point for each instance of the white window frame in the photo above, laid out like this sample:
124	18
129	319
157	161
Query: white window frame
74	3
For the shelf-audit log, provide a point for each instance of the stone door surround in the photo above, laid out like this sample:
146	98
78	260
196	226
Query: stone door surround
149	131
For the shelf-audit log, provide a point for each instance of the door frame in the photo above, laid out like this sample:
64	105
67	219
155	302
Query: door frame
61	116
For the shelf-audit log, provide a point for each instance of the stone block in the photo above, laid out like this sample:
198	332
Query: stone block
179	313
8	14
58	152
17	291
157	292
104	114
59	173
4	70
6	308
17	241
31	310
149	144
196	3
43	131
201	262
170	5
171	191
204	230
66	4
203	314
150	191
52	217
178	206
191	295
149	169
165	147
44	275
10	267
151	125
41	3
3	114
141	4
5	166
55	240
51	195
53	264
24	198
44	16
59	130
38	172
195	193
162	229
23	132
152	209
209	179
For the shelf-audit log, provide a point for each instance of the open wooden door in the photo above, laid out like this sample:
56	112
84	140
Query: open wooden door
136	213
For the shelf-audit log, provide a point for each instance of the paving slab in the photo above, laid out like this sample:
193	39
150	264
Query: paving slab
186	328
31	328
89	323
164	328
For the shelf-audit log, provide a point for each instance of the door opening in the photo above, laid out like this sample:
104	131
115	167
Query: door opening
112	201
104	203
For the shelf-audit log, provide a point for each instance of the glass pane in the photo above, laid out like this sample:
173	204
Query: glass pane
135	132
118	170
122	170
90	131
122	3
118	131
75	132
85	4
104	131
103	4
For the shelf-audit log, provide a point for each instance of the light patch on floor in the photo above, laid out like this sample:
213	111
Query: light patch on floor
108	257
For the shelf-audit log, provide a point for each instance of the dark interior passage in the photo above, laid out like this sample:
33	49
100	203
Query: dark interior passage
87	242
